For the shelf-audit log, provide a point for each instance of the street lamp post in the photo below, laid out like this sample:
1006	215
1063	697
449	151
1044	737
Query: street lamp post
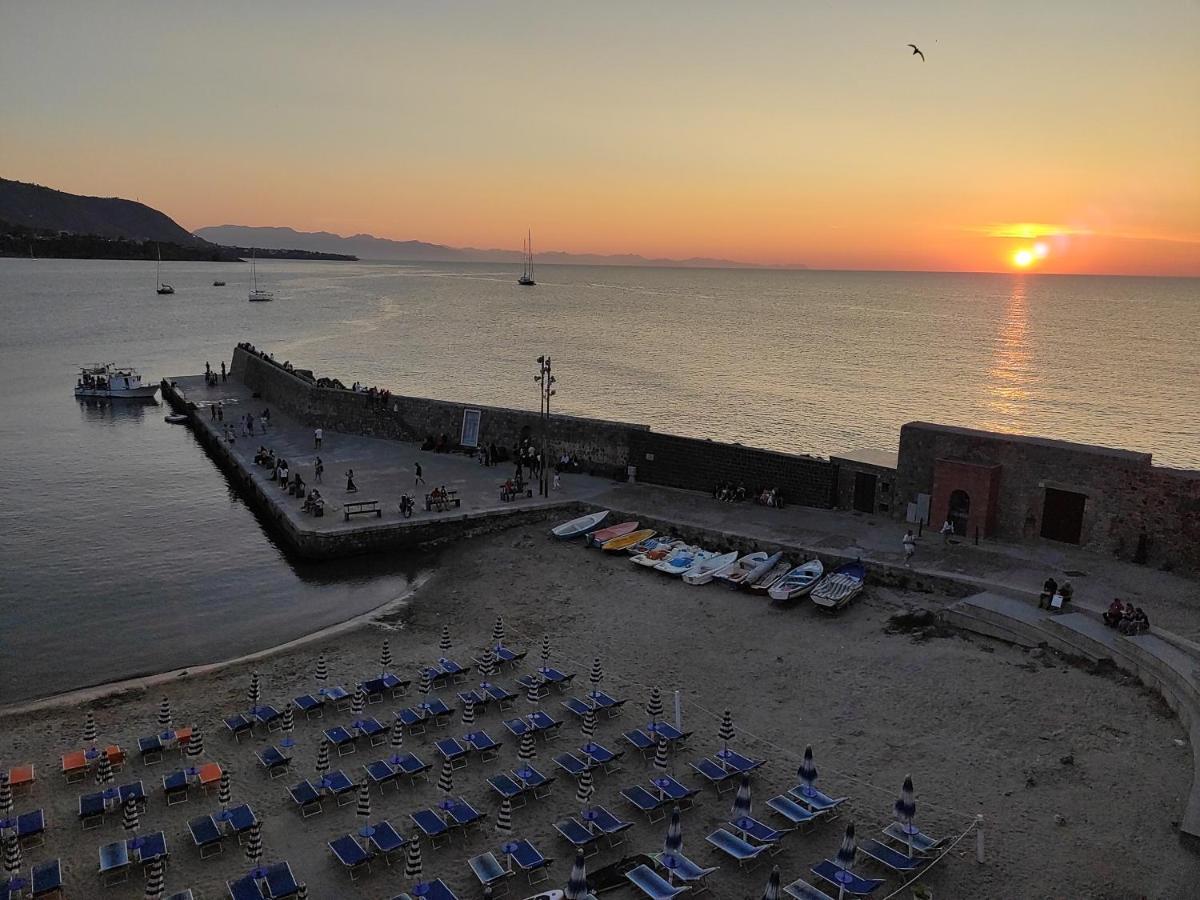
546	382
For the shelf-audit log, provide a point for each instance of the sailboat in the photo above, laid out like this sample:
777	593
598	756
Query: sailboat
163	287
257	296
527	273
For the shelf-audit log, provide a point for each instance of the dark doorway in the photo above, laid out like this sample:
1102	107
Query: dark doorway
959	511
1062	516
864	492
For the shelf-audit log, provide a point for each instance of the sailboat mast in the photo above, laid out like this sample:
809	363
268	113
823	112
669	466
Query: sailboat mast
529	235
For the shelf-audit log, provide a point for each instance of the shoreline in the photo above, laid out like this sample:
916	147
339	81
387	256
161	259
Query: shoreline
110	689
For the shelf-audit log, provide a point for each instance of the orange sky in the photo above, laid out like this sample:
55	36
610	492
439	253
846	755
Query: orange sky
769	132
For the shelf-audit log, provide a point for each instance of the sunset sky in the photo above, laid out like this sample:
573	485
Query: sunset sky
788	132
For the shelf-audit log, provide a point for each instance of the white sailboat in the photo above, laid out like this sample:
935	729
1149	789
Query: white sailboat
527	273
163	287
257	296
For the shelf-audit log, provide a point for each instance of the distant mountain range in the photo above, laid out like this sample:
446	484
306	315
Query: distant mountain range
367	246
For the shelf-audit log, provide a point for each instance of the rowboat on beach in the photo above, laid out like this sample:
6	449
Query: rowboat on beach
652	557
749	569
576	527
706	569
771	578
597	538
654	542
799	581
683	559
625	541
838	589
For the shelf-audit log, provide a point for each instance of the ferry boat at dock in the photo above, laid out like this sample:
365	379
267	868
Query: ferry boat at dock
114	382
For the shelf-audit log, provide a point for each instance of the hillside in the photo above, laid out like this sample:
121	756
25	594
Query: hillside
44	209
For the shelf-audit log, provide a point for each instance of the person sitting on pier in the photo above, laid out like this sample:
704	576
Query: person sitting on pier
311	501
741	492
351	487
1135	621
1115	612
297	488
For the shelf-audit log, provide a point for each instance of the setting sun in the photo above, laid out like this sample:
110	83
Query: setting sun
1022	259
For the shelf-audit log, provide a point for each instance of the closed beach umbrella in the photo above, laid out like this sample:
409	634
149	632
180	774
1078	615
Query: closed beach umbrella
322	673
589	725
90	732
741	802
468	713
6	795
772	891
156	881
358	703
585	788
577	882
104	772
498	632
254	844
807	773
363	810
906	808
504	816
323	758
674	842
533	693
444	644
725	732
224	794
528	747
545	651
845	854
487	665
254	694
654	708
412	860
385	657
397	742
164	714
12	855
289	726
130	820
445	782
424	684
195	747
661	758
596	675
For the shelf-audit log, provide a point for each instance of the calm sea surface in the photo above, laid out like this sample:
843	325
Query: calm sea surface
122	549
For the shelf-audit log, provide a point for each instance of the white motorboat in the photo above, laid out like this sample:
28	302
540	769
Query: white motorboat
749	569
798	582
112	381
706	569
583	525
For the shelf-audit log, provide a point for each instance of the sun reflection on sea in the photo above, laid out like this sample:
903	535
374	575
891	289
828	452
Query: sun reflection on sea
1010	376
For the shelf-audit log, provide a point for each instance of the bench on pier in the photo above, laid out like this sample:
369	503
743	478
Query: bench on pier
510	490
358	507
442	501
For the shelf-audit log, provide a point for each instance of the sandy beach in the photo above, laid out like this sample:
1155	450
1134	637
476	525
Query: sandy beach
1078	775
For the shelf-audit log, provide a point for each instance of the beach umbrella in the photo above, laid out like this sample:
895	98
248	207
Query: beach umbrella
584	788
577	888
358	703
741	802
661	758
444	644
807	773
385	657
487	665
363	810
725	732
445	782
156	881
498	632
528	748
6	795
412	860
468	713
533	691
90	732
424	684
323	758
195	747
596	675
654	707
545	651
254	694
130	820
397	742
504	816
254	844
589	725
845	856
302	893
289	726
12	855
164	714
674	842
224	795
104	772
322	673
772	891
906	808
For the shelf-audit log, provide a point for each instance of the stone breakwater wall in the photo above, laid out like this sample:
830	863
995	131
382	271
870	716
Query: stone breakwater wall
604	447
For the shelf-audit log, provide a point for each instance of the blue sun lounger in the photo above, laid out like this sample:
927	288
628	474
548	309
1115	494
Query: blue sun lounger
153	846
453	751
337	695
488	869
532	686
653	885
386	684
412	766
150	749
581	837
206	836
517	727
458	674
534	781
464	815
342	738
414	720
373	730
500	694
734	761
672	734
114	863
553	676
508	789
354	859
389	844
641	742
31	828
438	678
676	790
815	800
653	805
484	744
438	712
545	724
238	726
433	826
270	717
891	857
920	843
338	785
312	707
508	655
571	764
607	702
307	798
175	787
474	698
721	778
852	884
609	824
47	879
437	890
281	882
599	755
802	890
275	761
791	810
734	847
750	827
241	820
381	773
244	888
530	861
682	868
578	707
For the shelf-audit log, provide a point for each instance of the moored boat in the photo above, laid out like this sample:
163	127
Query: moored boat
837	589
596	538
651	543
799	581
218	283
625	541
576	527
683	559
706	569
749	569
772	576
652	557
115	382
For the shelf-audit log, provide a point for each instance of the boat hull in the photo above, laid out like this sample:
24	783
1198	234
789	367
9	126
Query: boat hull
145	392
772	577
604	535
799	581
838	589
577	527
706	571
619	544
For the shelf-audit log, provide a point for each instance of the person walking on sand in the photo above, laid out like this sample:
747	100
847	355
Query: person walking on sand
351	487
418	478
318	470
947	531
910	547
318	436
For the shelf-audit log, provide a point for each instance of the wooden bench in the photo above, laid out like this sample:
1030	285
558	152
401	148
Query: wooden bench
355	507
519	489
440	503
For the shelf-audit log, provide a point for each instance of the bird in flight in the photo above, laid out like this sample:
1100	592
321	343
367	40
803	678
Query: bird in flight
917	52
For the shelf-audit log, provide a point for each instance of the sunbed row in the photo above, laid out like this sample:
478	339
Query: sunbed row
273	882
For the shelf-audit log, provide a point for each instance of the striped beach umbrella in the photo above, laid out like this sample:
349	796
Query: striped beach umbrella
322	672
358	702
130	820
224	794
444	644
6	794
533	691
397	742
577	888
90	732
772	891
662	759
545	651
741	802
195	747
323	758
424	684
584	788
654	707
156	880
504	817
807	773
498	632
846	852
528	747
164	714
725	732
445	782
412	860
254	694
12	855
362	810
288	727
588	726
302	893
104	772
596	676
674	841
385	657
468	713
906	809
254	844
487	665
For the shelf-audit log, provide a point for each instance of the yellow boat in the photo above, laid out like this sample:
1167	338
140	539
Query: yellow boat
625	541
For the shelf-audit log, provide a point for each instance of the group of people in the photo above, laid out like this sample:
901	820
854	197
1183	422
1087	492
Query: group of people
726	492
527	457
489	455
210	377
1055	595
1126	618
374	395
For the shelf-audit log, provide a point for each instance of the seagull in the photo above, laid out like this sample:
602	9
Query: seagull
917	52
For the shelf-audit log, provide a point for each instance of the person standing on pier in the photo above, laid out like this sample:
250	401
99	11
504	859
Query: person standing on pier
318	470
417	477
220	411
318	435
223	370
351	487
910	547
